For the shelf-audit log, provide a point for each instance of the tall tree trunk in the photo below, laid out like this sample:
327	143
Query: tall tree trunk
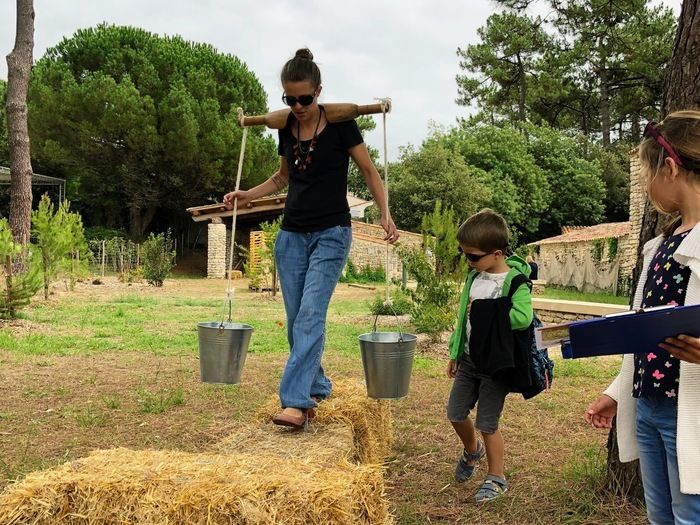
19	63
521	90
635	129
604	105
140	219
681	91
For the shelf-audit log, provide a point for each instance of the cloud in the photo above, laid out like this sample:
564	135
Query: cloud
365	48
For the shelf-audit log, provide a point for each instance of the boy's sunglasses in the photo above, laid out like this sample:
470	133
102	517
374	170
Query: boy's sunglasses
651	131
304	100
473	257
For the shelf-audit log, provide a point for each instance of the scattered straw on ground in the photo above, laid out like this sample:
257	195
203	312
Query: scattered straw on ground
160	487
323	444
369	419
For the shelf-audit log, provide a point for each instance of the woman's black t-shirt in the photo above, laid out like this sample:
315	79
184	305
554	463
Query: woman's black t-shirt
317	196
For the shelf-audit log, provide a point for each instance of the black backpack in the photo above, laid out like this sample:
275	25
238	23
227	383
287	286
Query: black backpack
541	366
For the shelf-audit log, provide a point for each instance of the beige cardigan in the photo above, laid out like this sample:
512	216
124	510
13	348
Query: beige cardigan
688	437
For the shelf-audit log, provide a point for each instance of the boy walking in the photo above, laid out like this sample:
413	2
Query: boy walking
483	238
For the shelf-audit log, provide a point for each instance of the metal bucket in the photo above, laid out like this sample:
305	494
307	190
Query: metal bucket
387	358
222	351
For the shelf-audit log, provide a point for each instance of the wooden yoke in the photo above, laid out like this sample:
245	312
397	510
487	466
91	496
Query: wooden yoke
337	112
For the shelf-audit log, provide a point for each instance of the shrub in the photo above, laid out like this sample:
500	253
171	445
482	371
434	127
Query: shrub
439	274
60	241
400	304
158	258
366	274
432	319
21	274
263	275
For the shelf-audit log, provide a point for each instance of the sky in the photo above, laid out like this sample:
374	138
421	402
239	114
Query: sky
404	50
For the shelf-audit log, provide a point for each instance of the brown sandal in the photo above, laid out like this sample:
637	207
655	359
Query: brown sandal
290	420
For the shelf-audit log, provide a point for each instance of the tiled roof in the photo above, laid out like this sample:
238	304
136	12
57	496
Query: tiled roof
356	201
588	233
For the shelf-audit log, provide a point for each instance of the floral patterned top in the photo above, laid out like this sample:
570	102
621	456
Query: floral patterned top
657	373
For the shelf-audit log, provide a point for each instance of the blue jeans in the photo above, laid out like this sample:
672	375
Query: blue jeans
309	266
656	435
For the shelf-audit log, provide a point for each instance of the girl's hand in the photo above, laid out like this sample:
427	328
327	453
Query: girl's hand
452	369
684	347
600	413
392	234
243	199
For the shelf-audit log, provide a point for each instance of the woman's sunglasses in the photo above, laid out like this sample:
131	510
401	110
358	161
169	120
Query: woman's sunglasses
304	100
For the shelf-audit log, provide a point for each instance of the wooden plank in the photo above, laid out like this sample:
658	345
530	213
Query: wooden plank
209	211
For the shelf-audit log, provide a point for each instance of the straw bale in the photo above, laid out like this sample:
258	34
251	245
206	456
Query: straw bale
326	445
149	487
369	419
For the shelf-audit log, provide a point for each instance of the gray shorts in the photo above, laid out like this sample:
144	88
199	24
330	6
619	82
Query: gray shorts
470	387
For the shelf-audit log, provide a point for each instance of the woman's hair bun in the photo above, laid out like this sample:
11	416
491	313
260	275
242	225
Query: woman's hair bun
304	53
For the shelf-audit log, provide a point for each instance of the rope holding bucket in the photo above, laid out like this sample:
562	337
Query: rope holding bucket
223	345
229	288
386	105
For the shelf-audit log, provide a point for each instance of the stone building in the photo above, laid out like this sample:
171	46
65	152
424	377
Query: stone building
369	248
586	257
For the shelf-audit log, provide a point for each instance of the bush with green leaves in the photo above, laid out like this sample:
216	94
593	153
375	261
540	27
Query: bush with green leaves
400	304
21	273
438	272
60	241
435	296
157	258
366	274
264	275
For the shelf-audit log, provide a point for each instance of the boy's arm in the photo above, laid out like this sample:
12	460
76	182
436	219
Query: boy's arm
521	312
457	334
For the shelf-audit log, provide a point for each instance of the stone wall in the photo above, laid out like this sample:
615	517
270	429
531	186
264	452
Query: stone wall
216	250
577	265
369	248
554	311
637	202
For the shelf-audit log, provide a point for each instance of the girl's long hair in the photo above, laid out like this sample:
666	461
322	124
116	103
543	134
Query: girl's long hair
681	129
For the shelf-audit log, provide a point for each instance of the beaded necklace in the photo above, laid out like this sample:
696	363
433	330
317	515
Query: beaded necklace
302	155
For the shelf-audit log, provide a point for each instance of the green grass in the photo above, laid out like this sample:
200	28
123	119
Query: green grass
590	368
87	417
571	294
113	401
158	402
582	493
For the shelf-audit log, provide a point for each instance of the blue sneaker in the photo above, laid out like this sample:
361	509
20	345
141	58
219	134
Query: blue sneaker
467	463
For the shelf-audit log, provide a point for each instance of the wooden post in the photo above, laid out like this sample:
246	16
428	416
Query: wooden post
103	258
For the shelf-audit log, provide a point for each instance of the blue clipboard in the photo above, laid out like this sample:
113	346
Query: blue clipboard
631	332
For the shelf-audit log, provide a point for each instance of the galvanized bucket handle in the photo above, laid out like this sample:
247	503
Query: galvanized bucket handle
229	301
376	317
